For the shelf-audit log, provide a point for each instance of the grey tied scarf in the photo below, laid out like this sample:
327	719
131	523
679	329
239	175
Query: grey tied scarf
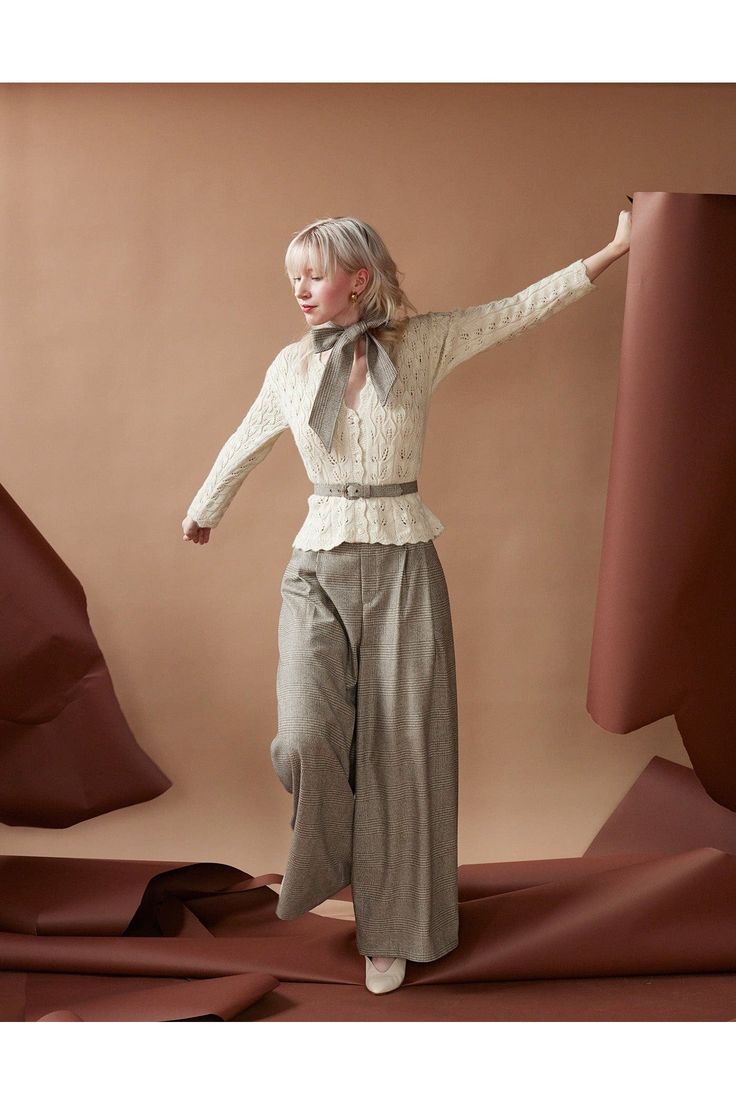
342	340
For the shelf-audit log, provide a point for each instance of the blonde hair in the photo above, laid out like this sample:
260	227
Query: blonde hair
351	244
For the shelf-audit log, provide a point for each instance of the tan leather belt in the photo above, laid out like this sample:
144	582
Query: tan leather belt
365	490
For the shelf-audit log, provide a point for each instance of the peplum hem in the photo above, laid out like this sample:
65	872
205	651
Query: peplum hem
398	519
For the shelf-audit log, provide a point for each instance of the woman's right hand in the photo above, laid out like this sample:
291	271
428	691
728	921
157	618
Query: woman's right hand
194	532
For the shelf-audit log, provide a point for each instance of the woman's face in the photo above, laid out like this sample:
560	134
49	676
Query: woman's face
329	298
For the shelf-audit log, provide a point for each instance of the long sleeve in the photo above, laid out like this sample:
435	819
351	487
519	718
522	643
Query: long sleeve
457	335
246	447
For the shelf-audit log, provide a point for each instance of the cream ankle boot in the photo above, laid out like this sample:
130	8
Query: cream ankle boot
383	981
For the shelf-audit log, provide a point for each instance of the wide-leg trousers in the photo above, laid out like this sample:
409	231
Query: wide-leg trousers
367	743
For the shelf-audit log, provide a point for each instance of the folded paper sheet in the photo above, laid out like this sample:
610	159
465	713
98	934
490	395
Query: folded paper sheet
111	939
66	751
664	638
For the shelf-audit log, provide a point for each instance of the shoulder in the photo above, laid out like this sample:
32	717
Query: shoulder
294	351
427	325
415	326
285	358
291	362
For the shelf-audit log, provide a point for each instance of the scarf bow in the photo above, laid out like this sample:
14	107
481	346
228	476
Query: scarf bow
331	391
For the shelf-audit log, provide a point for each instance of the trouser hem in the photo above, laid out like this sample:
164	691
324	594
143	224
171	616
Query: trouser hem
409	955
293	912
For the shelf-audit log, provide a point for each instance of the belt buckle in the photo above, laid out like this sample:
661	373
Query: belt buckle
352	490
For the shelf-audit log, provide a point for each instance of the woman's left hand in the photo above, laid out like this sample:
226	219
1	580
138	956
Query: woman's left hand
622	238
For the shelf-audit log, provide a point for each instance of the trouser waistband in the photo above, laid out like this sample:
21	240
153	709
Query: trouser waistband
365	490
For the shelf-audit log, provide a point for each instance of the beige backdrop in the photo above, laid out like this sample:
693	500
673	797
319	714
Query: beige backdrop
144	228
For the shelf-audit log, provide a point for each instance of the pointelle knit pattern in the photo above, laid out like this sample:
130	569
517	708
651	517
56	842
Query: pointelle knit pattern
375	443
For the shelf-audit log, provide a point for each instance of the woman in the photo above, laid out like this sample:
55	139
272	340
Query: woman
366	693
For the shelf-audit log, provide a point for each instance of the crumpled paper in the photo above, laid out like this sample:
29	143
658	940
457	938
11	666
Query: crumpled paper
66	751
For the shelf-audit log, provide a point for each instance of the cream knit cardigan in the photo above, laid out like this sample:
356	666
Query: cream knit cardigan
374	444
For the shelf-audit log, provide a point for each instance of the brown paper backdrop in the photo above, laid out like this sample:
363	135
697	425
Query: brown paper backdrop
143	231
664	622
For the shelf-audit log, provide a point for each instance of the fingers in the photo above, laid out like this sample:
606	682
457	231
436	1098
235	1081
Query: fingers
198	536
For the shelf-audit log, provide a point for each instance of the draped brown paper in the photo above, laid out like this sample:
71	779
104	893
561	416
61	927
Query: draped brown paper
654	895
664	638
66	751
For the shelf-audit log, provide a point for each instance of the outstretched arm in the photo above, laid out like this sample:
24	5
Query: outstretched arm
246	447
455	336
